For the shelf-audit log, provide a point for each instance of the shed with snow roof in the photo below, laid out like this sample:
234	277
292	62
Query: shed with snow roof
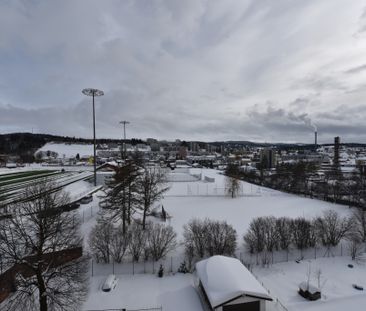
225	284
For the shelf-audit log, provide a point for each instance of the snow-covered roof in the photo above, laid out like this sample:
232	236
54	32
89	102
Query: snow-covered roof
226	278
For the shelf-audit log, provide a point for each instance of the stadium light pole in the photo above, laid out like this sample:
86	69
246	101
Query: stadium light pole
124	137
94	93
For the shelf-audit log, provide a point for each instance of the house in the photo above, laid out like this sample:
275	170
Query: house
225	284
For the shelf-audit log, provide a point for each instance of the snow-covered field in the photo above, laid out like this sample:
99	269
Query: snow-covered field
187	200
199	199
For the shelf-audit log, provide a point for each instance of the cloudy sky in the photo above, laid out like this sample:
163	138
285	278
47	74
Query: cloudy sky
258	70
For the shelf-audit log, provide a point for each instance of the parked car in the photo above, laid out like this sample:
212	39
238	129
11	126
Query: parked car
71	207
110	283
86	200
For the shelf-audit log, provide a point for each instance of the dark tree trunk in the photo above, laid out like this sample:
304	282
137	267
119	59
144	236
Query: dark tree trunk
42	292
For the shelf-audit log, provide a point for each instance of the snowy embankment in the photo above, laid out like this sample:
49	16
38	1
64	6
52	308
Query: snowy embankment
68	150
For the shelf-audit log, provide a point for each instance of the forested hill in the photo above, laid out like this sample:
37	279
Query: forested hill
25	144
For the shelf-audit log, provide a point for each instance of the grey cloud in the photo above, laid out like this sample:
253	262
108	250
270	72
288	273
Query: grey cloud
321	83
188	69
356	69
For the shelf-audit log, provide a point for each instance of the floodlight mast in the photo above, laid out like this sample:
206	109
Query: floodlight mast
124	138
93	93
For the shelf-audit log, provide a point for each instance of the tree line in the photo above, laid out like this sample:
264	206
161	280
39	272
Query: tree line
302	178
269	234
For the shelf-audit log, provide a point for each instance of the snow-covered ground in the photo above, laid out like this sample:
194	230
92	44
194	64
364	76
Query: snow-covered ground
199	199
335	281
173	293
187	200
68	150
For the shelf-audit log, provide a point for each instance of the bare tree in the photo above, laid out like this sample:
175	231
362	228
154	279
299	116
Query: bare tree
270	234
332	228
283	226
195	237
302	233
119	243
137	243
151	186
100	240
355	246
255	236
160	240
232	186
359	217
33	240
221	238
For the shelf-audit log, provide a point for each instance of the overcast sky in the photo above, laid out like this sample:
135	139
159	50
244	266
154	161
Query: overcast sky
259	70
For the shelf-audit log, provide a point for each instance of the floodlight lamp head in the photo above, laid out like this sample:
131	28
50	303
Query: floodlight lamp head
92	92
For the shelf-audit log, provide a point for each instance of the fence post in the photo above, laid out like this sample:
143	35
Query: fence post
92	267
83	216
315	252
133	267
171	264
144	266
341	249
153	267
91	211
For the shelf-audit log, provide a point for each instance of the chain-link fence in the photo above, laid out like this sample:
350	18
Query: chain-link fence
172	264
267	258
169	265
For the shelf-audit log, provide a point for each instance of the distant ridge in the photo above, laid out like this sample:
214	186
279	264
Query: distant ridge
25	144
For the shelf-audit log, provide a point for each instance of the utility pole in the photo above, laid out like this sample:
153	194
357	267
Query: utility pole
124	138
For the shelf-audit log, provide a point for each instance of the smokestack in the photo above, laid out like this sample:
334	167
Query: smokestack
316	139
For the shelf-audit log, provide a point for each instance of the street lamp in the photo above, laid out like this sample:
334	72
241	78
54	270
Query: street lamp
93	93
124	137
